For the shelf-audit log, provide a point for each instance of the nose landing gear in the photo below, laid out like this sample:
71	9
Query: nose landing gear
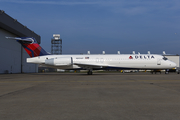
167	71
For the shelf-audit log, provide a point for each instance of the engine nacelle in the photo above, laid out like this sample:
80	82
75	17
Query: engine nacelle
61	61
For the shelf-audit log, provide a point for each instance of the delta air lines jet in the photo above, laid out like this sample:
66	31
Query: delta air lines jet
92	62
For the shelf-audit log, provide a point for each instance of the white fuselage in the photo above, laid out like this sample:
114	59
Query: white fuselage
112	61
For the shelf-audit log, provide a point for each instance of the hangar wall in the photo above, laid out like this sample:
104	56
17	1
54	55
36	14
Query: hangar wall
13	56
174	58
10	52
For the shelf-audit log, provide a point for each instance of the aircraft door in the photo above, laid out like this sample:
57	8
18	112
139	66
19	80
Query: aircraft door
159	62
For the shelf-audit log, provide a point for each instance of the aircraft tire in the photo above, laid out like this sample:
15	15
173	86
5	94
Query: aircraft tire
89	72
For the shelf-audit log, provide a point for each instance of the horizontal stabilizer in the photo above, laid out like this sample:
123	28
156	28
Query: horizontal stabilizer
22	39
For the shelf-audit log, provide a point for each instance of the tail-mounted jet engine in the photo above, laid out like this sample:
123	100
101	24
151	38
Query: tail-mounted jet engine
60	61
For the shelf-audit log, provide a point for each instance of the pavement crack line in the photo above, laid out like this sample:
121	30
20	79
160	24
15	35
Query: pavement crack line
15	92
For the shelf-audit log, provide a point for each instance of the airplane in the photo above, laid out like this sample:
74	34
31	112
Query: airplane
92	62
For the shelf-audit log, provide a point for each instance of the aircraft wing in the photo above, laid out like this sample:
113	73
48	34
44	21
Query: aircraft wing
90	66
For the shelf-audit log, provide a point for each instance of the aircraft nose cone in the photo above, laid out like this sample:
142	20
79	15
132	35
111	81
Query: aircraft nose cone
173	64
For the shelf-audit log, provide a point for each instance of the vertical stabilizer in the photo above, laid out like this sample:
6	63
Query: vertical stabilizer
31	46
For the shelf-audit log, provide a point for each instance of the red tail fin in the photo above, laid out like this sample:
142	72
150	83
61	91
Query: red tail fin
31	46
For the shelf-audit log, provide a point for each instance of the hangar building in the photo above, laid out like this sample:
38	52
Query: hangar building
13	56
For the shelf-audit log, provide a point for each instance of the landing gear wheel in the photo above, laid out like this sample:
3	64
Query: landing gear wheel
89	72
167	71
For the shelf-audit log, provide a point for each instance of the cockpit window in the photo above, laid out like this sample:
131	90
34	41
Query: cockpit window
164	58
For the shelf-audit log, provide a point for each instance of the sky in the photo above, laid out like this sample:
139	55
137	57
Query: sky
102	25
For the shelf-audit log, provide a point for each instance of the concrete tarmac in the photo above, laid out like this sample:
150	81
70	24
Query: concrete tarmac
101	96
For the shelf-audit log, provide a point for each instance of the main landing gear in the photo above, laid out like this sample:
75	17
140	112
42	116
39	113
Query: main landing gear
89	72
155	71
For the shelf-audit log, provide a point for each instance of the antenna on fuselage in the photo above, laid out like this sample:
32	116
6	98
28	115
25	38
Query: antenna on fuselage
133	52
164	53
103	52
88	52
